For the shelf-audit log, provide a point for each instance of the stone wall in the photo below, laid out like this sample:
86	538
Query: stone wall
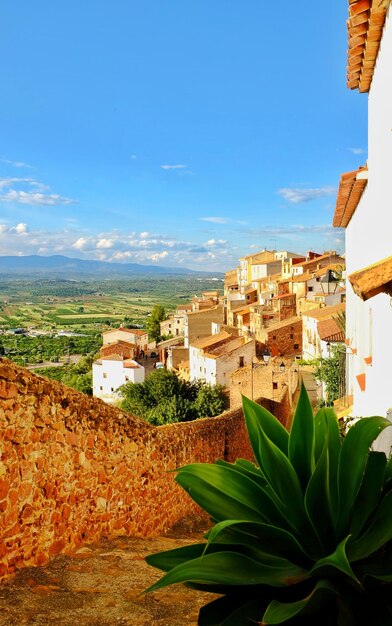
73	469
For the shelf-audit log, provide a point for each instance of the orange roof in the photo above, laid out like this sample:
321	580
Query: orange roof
208	342
364	28
289	321
373	279
119	342
351	187
130	364
132	331
328	330
325	312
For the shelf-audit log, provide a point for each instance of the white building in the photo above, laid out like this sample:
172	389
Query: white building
314	342
363	208
111	372
214	358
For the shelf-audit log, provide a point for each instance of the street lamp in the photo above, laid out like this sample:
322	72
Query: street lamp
329	283
266	356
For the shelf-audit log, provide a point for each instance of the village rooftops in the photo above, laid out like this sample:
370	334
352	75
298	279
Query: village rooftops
317	259
364	28
329	330
132	331
212	340
351	187
325	312
226	348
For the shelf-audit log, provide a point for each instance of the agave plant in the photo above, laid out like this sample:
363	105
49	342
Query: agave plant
304	536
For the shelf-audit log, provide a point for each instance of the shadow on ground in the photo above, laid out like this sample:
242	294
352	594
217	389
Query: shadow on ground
100	585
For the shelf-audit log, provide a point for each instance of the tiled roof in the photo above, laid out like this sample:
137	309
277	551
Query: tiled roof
325	312
364	28
119	342
209	341
373	279
328	330
112	357
132	331
287	322
130	364
351	187
283	295
317	259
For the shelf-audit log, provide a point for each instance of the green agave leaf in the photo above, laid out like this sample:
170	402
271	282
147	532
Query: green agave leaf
337	560
388	470
326	427
369	493
256	418
301	439
171	558
283	480
280	612
222	492
318	501
233	610
352	463
229	499
379	566
264	537
377	534
251	471
231	568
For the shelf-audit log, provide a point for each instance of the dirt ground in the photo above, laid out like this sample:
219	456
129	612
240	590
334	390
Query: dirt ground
101	585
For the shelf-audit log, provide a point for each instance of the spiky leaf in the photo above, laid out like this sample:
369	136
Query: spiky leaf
301	440
280	612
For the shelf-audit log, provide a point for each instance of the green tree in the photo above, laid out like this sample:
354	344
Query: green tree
157	315
210	401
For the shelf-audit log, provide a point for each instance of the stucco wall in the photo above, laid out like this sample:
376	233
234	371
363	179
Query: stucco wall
368	240
73	469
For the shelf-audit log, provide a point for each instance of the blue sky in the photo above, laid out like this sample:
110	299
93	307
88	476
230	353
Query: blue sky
174	132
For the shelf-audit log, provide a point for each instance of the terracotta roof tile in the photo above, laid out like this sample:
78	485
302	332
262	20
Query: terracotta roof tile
328	330
351	187
364	28
325	312
211	340
373	279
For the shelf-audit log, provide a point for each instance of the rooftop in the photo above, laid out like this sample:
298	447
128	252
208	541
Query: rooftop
211	340
131	331
325	312
364	29
351	187
329	330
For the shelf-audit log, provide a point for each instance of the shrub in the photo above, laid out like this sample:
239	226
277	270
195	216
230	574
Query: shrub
302	537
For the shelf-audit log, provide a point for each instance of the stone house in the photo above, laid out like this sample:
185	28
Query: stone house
214	358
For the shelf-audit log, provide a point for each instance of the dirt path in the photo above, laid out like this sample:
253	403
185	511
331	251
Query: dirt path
100	585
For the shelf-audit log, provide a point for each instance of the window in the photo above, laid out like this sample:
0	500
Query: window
296	346
100	388
126	377
274	385
111	389
105	375
310	288
291	336
241	361
273	336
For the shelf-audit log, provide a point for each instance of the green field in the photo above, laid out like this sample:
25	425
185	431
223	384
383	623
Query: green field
93	306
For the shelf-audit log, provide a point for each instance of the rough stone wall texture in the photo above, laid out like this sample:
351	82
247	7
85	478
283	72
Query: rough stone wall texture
73	469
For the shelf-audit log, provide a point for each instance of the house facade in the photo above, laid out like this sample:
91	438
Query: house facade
109	373
363	208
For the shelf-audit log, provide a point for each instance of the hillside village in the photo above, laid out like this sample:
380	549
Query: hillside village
74	469
277	307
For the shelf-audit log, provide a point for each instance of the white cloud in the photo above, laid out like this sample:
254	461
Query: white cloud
20	228
298	195
178	166
215	242
216	220
80	244
105	243
159	256
16	163
30	197
357	150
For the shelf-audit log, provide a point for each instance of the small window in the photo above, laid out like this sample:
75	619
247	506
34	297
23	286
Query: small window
100	388
241	361
310	288
291	336
274	385
273	336
126	377
105	375
111	388
296	346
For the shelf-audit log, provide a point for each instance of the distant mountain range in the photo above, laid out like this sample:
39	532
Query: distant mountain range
66	267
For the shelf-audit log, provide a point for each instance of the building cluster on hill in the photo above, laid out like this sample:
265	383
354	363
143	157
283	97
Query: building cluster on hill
279	305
